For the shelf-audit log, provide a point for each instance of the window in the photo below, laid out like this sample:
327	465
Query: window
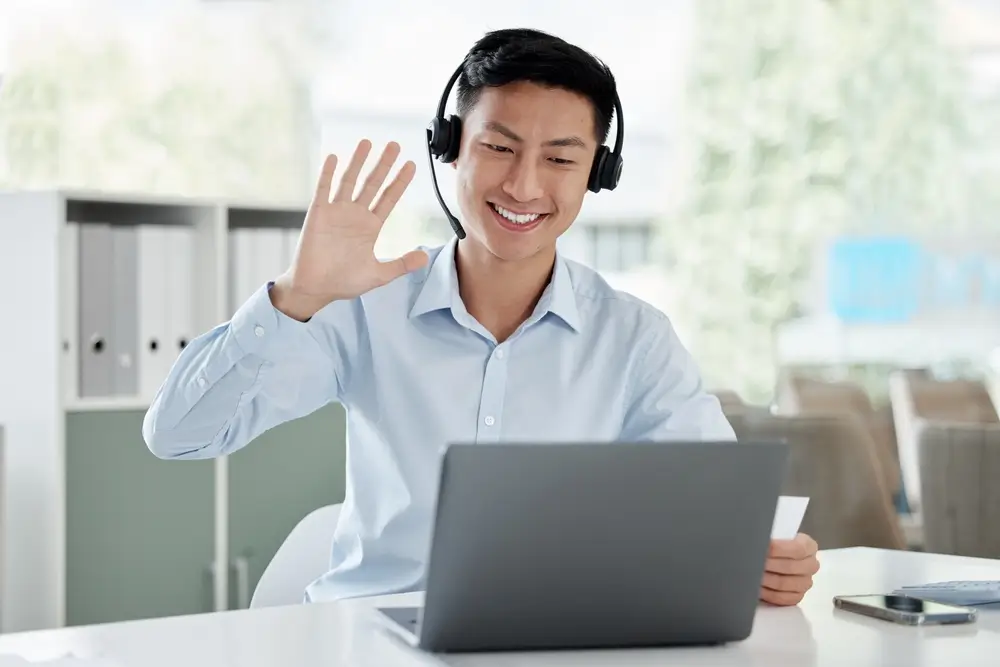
609	248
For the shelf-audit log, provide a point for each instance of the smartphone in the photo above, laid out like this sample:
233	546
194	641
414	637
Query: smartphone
905	610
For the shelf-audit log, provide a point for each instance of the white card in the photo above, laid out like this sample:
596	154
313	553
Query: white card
788	517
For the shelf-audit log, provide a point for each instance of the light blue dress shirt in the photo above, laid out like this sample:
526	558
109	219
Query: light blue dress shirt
415	371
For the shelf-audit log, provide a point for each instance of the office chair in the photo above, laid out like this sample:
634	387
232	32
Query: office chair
302	558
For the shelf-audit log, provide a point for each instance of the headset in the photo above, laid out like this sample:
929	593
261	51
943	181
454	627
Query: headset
444	136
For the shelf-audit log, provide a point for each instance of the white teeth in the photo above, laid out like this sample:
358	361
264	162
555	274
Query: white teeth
518	219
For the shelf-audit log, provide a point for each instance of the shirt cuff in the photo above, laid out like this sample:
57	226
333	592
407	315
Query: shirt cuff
263	330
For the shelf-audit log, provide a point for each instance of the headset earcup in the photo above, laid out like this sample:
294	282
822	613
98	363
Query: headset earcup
438	139
594	183
611	172
445	138
450	153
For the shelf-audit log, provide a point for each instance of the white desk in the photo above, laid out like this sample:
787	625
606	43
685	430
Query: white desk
342	634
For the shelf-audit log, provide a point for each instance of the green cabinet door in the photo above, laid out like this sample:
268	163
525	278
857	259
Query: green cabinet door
139	531
276	480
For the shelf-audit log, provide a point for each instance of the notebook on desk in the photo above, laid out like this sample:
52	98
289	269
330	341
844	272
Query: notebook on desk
539	546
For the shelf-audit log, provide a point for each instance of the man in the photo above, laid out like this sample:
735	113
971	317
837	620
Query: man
492	338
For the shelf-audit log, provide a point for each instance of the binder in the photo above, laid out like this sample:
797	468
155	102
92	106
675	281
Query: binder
291	244
69	306
152	279
94	297
241	263
271	255
124	339
180	288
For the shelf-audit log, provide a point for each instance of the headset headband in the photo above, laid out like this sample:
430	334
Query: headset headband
444	136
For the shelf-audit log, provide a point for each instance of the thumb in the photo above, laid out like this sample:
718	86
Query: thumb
396	268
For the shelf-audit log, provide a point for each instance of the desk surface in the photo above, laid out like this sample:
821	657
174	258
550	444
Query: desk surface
343	633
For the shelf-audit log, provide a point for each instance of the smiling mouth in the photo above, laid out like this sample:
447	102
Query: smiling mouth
518	222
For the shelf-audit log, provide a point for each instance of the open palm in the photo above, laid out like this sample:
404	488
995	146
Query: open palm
335	258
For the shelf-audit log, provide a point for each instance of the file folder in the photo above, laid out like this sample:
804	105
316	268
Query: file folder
69	307
241	262
271	255
95	293
291	244
124	339
154	358
180	293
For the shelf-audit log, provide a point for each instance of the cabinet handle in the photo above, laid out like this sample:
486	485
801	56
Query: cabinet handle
242	567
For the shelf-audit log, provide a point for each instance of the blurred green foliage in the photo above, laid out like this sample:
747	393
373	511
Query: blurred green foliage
802	120
189	104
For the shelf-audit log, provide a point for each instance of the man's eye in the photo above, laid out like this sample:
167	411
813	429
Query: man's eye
497	148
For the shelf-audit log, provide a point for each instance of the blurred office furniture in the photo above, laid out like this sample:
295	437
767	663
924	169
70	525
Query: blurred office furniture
918	398
732	403
960	487
832	461
992	379
105	292
302	558
801	395
729	399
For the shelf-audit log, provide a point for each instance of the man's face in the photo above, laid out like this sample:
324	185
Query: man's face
523	167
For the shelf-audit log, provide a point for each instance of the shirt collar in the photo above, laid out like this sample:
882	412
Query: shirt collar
441	283
440	291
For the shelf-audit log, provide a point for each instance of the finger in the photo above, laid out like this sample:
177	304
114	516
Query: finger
325	182
378	174
390	196
780	598
411	261
802	546
806	566
786	583
345	191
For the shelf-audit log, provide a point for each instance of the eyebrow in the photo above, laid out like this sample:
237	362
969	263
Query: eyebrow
500	128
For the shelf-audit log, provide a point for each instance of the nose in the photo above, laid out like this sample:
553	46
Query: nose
522	182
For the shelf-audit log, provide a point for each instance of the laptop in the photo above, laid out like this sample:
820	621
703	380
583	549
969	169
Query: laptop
595	545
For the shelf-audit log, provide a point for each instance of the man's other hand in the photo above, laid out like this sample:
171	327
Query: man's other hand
789	570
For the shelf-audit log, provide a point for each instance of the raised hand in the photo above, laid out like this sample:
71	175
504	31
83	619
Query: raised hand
335	258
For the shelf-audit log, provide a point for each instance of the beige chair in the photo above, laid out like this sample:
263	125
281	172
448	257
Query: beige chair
960	488
733	404
729	399
797	395
832	461
918	399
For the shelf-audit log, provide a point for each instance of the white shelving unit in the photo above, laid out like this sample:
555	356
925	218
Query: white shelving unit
44	343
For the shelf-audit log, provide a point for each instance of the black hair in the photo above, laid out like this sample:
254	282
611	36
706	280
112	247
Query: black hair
523	54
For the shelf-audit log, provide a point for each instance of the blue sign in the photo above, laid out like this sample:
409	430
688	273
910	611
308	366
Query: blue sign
894	278
874	279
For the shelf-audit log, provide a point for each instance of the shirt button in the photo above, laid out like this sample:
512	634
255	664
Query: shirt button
489	420
259	331
499	354
201	382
